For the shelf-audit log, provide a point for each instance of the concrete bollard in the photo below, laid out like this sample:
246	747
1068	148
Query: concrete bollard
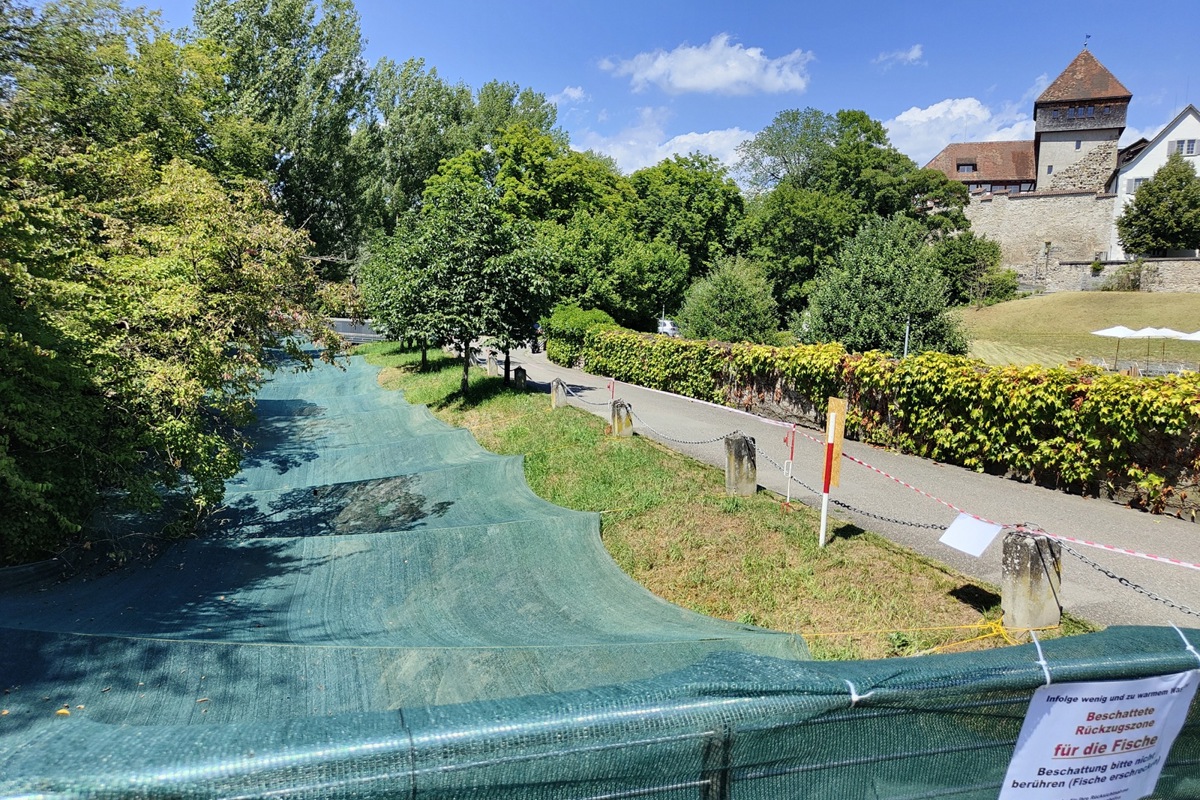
1031	577
558	393
493	366
519	378
622	418
741	466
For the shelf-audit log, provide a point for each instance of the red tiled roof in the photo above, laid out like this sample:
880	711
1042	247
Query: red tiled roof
1085	78
994	161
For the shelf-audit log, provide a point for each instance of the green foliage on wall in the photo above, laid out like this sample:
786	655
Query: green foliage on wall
1081	430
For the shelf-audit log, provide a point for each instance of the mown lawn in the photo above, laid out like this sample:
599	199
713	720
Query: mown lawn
667	522
1052	329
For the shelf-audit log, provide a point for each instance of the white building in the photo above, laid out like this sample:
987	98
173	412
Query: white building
1181	135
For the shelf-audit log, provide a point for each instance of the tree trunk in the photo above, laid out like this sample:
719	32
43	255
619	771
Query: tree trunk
424	354
506	362
466	368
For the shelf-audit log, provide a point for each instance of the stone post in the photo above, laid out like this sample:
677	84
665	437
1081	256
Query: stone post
622	418
741	466
558	393
519	378
1031	577
493	366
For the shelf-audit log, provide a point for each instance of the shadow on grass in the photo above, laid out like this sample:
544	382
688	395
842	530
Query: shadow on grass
978	598
848	530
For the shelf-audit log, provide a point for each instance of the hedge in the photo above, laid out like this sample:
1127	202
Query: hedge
1081	430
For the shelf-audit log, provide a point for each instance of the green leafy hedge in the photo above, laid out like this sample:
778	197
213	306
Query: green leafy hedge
1082	430
565	330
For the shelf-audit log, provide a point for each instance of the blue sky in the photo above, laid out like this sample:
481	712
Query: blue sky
642	80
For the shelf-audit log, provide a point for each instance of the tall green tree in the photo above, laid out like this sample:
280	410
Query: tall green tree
689	202
1164	215
296	67
501	104
883	288
473	272
797	233
415	121
602	264
795	147
971	265
143	278
734	303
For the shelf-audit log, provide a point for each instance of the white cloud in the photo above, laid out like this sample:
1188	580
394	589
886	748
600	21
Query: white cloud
569	95
923	132
646	143
721	67
909	57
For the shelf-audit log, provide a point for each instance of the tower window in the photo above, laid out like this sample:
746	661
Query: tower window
1049	168
1078	144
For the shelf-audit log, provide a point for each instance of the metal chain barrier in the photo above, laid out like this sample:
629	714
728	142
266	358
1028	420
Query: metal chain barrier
881	518
929	526
781	468
673	440
1126	582
582	399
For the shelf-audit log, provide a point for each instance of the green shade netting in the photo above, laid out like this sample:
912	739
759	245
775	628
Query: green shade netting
383	608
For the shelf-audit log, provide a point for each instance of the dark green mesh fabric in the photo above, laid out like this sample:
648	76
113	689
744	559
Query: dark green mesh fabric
385	609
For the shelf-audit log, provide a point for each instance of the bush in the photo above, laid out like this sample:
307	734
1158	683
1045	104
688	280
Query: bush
1129	278
566	328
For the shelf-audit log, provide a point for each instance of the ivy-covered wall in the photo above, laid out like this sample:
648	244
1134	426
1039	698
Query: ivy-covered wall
1085	431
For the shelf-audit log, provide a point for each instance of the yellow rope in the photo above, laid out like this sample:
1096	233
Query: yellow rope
989	628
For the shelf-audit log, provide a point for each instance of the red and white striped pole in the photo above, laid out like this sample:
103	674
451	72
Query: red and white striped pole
835	423
830	430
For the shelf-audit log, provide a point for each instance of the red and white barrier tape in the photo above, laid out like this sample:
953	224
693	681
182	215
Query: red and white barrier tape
1025	527
793	430
1113	549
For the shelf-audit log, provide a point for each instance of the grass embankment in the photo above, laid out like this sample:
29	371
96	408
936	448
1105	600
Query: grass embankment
667	522
1052	329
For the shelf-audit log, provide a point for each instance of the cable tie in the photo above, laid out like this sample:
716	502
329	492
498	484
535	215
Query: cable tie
854	695
1041	656
1187	644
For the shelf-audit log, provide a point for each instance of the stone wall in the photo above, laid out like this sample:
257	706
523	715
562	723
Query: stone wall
1159	275
1077	225
1089	173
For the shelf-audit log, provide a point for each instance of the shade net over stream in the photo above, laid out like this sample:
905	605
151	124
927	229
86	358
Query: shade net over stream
383	608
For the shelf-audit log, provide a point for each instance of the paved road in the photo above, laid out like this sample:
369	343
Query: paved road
1086	592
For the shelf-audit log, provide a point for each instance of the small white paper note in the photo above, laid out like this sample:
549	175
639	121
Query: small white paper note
970	535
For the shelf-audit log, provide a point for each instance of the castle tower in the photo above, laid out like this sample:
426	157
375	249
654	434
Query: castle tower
1079	119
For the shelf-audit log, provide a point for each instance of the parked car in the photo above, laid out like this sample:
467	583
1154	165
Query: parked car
667	327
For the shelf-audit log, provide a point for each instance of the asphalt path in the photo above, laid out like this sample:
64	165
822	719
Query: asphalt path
882	505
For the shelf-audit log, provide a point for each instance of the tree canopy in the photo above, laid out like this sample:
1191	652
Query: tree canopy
733	303
1164	215
884	284
144	275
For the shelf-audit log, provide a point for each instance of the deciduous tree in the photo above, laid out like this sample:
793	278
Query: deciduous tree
1164	214
734	303
883	284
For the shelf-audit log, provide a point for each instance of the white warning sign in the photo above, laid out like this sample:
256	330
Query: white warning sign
1098	741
